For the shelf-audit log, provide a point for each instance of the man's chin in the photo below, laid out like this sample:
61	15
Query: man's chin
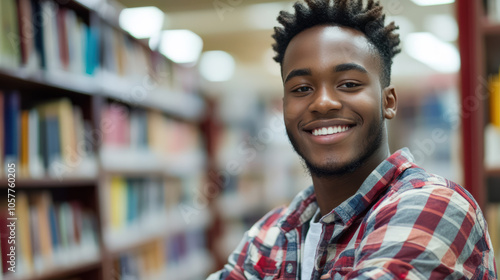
332	169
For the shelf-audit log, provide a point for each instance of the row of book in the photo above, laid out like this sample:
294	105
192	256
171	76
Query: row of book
135	201
181	256
49	234
41	34
54	138
139	129
51	138
48	36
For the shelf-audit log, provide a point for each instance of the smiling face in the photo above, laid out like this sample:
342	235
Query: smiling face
334	104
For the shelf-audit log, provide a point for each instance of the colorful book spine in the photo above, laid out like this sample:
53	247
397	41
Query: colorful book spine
494	89
52	233
135	200
24	158
12	114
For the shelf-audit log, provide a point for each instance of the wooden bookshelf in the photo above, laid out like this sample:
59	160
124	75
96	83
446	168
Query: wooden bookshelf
90	95
52	183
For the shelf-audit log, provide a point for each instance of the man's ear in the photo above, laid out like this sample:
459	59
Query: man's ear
390	102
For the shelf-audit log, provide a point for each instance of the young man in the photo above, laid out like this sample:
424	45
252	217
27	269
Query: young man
369	214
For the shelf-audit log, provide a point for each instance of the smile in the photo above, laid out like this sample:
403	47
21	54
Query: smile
330	130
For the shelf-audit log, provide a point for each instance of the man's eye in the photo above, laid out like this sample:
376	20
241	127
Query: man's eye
349	85
302	89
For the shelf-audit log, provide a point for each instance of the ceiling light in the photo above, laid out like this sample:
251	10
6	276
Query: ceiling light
217	66
432	2
142	22
181	46
435	53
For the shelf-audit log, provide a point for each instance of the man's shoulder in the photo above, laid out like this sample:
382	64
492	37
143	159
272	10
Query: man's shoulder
418	181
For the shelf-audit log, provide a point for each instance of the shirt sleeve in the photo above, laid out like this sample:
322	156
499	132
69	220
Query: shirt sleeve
240	264
431	232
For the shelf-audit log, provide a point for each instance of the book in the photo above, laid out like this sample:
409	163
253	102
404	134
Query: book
12	111
50	39
494	90
26	32
24	233
41	206
9	35
117	205
116	126
53	233
35	156
39	35
24	158
63	42
53	148
60	135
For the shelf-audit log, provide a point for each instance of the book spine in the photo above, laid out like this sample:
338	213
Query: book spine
11	128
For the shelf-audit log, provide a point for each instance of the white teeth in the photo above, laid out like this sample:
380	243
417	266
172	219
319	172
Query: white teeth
330	130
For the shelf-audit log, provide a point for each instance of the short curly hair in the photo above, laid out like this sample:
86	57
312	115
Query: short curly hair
348	13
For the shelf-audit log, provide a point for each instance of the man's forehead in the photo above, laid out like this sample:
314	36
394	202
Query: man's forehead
326	43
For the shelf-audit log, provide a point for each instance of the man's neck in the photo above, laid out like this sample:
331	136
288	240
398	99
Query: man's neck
332	191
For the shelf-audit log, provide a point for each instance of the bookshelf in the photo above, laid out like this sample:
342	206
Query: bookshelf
479	40
107	139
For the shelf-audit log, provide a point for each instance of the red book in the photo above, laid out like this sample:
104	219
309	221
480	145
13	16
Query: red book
63	38
26	32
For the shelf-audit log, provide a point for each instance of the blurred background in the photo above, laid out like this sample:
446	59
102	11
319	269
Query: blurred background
143	138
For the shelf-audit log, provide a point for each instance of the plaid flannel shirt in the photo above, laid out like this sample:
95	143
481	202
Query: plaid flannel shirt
403	223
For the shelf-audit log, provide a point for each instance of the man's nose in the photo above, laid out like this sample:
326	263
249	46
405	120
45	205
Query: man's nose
324	100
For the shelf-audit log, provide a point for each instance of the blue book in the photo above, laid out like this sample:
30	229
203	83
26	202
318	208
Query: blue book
38	22
92	50
54	228
53	140
12	115
132	200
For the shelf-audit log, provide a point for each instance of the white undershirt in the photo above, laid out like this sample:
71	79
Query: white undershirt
313	237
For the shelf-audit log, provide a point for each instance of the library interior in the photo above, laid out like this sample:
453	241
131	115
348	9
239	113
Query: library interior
142	139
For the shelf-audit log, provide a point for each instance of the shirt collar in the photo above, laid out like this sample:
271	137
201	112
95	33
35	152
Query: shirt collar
304	205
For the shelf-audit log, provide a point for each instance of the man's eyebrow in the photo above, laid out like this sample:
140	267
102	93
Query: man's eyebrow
350	66
298	72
